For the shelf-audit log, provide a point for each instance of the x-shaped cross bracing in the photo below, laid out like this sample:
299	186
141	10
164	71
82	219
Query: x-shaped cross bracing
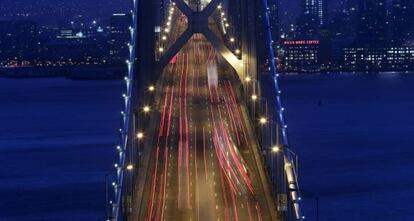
198	23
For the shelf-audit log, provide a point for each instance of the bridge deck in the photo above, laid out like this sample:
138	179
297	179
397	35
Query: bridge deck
202	164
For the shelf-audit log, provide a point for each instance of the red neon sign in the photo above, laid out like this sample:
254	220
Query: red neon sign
301	42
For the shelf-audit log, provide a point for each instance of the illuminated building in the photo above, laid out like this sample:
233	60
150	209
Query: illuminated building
300	56
311	19
119	37
402	21
314	9
378	59
18	40
372	21
274	18
70	34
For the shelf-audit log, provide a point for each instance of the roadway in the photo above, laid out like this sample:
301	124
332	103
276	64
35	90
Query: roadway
202	164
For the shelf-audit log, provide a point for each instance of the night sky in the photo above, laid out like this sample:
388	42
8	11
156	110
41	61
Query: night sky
52	11
46	11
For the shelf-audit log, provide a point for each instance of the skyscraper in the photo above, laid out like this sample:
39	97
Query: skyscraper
120	36
274	19
311	19
314	9
6	39
18	39
402	21
372	21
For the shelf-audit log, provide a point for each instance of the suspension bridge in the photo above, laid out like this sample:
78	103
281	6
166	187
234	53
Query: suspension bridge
203	133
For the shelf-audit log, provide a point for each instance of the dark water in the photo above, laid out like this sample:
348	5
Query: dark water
56	144
355	138
354	135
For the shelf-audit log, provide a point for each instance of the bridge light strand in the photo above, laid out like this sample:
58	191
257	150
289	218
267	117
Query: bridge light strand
120	165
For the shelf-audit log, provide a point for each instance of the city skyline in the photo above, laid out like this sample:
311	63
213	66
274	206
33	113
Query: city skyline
177	110
51	12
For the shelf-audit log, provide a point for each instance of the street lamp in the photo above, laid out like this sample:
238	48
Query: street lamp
275	149
263	120
140	135
151	88
130	167
146	109
254	97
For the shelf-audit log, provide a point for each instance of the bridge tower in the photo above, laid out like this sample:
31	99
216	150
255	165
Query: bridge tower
149	66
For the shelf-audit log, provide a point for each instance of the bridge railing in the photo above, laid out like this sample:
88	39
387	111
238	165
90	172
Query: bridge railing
281	161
